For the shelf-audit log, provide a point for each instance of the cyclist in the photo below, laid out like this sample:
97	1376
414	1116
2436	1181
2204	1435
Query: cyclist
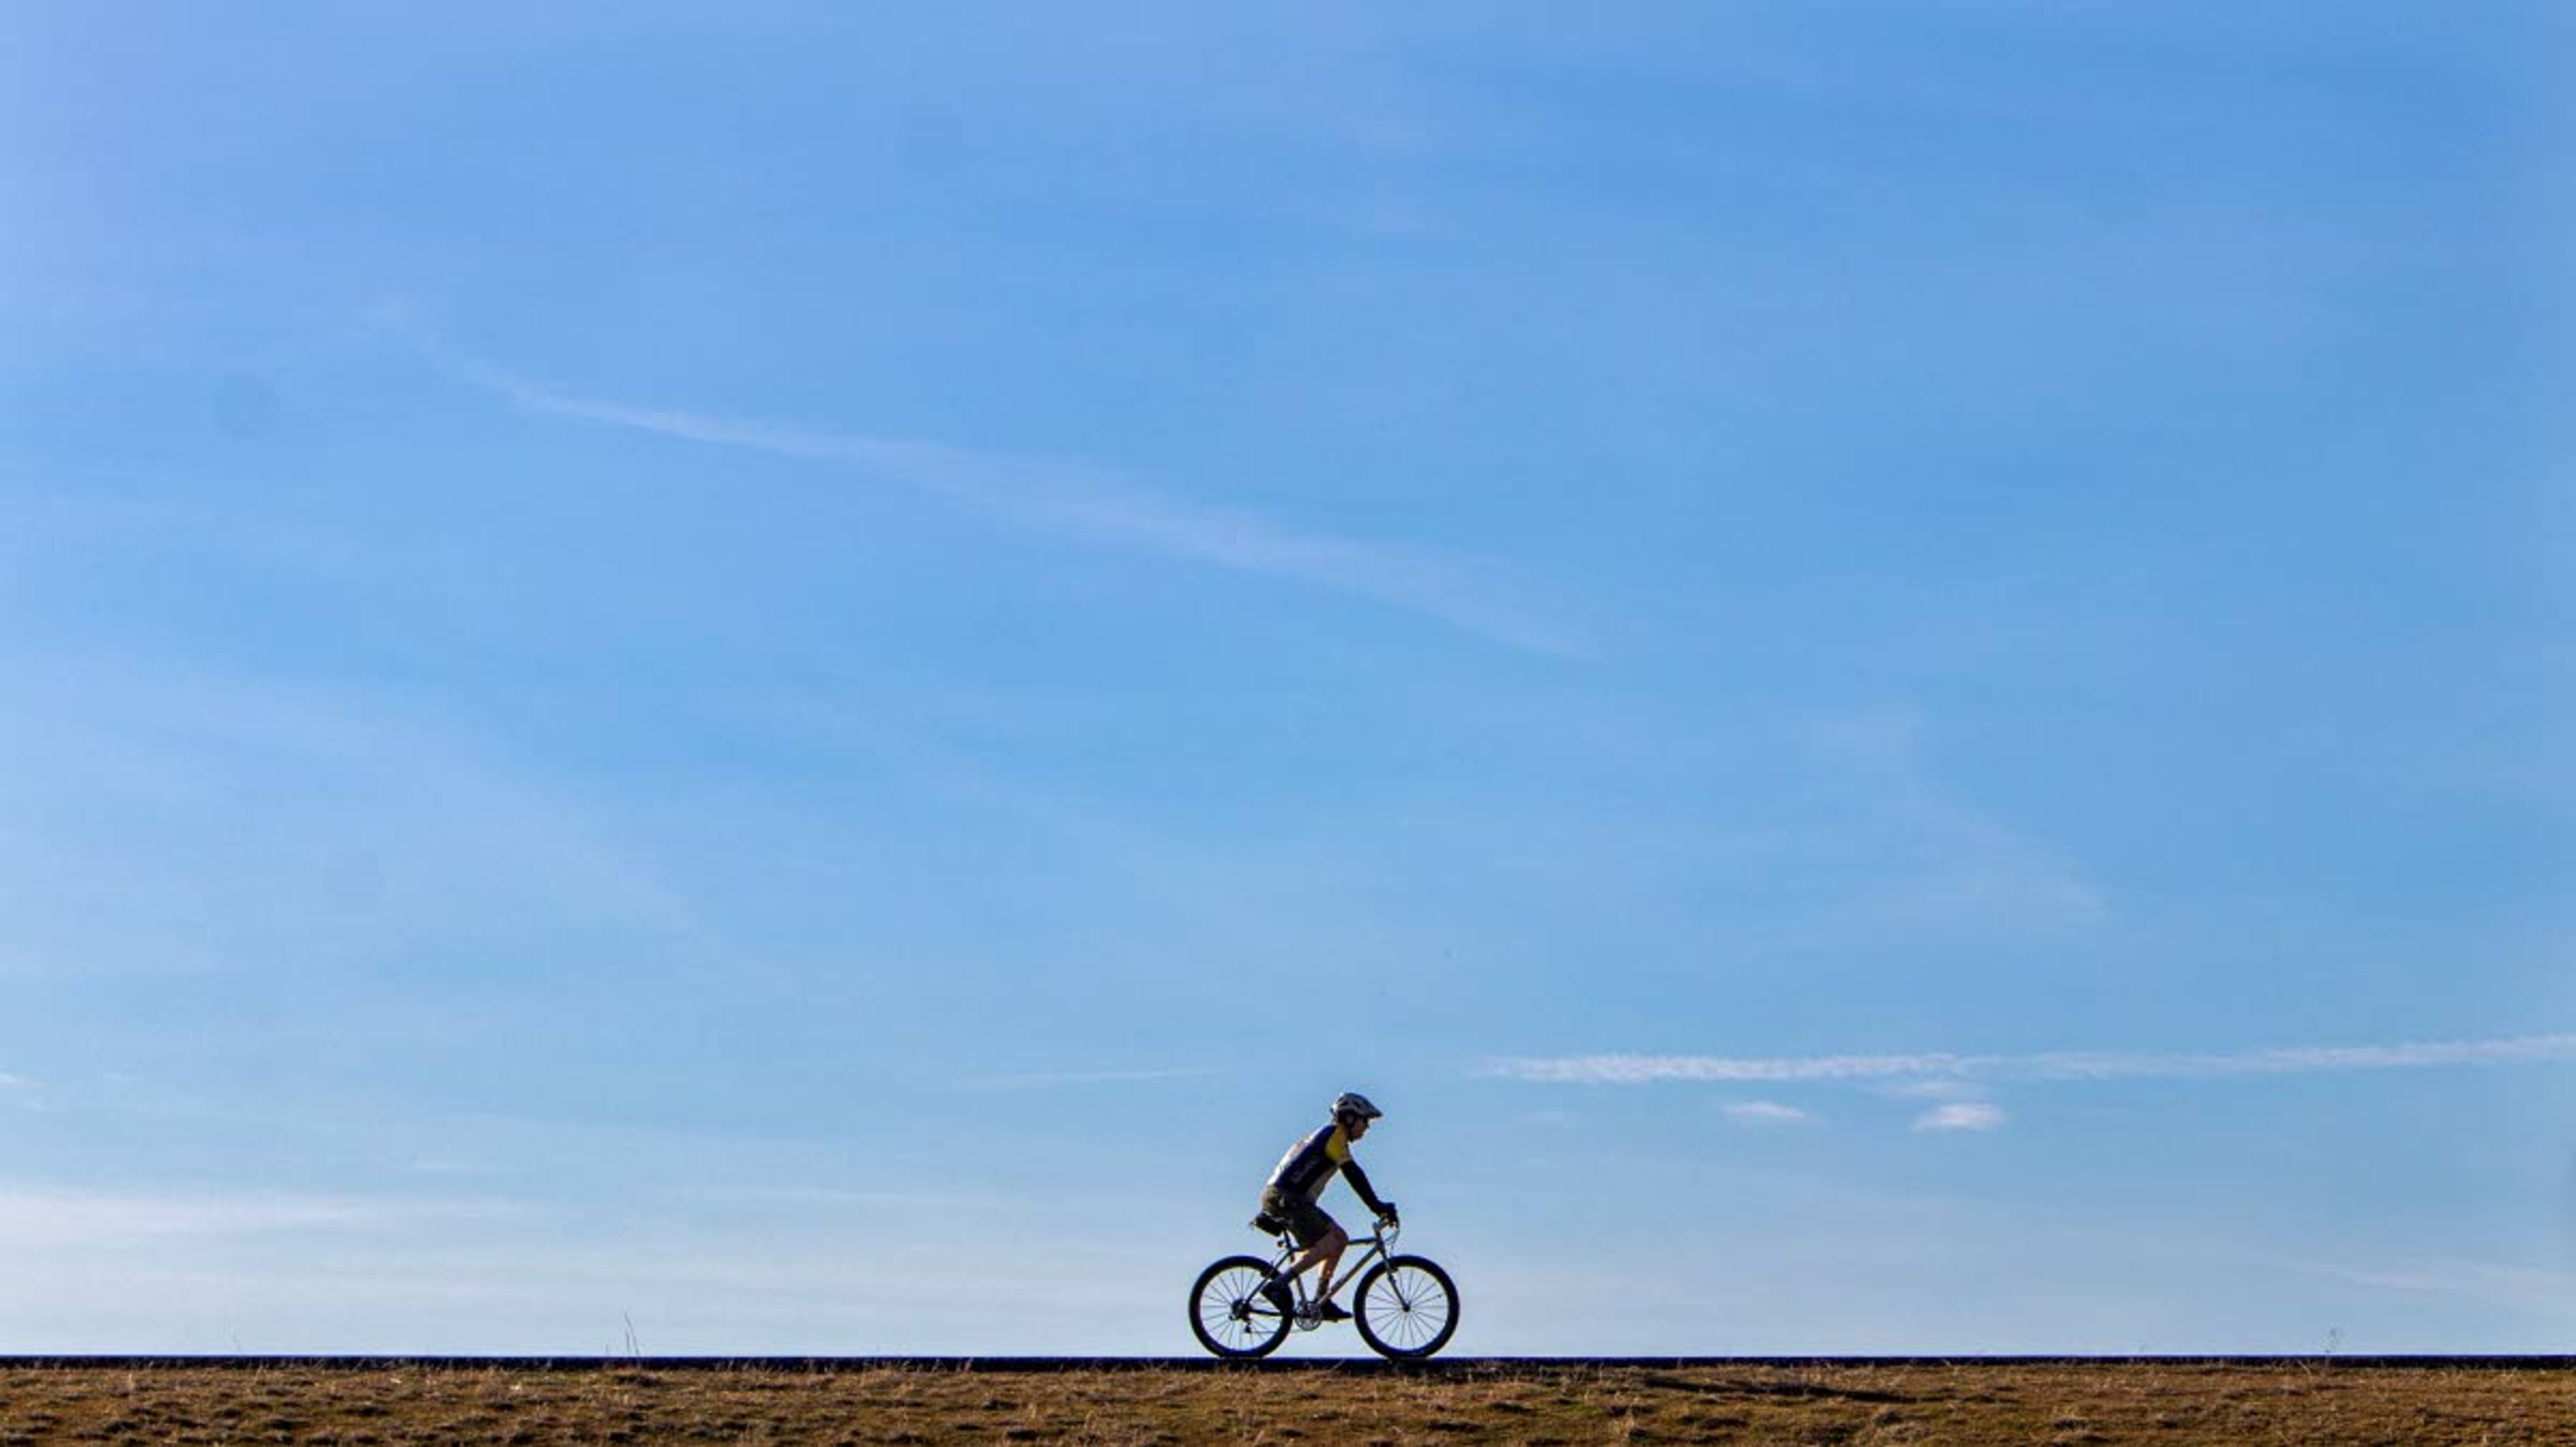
1288	1202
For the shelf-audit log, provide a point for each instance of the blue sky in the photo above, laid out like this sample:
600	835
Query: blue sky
801	680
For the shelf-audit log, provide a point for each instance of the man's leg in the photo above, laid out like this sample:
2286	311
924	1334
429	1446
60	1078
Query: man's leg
1326	1249
1312	1229
1329	1250
1315	1231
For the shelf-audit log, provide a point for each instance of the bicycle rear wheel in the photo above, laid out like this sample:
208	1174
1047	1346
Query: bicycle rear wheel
1229	1313
1406	1307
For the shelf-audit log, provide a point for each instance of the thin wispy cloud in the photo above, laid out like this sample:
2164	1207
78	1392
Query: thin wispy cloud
1929	1090
1765	1113
1961	1115
2049	1065
1948	855
2504	1282
1073	501
1048	1079
30	1216
423	810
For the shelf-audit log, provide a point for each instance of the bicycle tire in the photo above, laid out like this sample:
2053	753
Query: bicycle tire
1228	1314
1406	1308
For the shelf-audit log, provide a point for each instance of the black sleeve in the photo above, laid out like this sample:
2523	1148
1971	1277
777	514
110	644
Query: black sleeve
1358	1178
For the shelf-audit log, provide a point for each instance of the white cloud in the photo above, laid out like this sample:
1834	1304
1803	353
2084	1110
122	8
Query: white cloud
1639	1069
47	1218
381	812
1961	1115
1624	1069
2509	1284
554	1284
1076	502
1765	1112
1929	1090
1946	857
1045	1079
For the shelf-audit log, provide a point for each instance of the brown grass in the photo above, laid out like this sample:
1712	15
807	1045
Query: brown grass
1844	1406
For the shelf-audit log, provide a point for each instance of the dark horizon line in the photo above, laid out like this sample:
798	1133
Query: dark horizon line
1452	1366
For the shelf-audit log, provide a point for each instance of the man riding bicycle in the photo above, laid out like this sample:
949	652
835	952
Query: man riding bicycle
1288	1202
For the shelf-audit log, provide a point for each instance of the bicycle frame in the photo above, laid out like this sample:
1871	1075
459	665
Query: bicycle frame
1381	1245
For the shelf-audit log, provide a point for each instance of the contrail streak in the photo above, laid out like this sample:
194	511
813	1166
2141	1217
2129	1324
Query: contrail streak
1630	1069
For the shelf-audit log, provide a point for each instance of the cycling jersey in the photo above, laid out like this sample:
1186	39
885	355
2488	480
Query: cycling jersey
1310	1163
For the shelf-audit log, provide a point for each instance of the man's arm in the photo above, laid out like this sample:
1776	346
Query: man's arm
1359	1180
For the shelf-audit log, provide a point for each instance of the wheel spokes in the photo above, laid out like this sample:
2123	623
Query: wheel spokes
1232	1312
1408	1309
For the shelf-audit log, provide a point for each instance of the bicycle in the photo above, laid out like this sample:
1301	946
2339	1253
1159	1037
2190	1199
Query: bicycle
1406	1307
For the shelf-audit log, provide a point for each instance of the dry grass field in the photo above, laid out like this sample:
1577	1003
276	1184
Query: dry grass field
2170	1405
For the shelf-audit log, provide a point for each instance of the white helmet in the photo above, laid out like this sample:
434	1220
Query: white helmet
1351	1102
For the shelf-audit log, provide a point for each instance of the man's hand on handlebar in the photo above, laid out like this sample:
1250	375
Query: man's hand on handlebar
1386	1214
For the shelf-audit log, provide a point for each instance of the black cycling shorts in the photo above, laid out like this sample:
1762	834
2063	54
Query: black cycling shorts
1307	1222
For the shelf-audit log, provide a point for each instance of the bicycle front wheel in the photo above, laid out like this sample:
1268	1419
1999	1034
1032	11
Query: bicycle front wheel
1407	1307
1229	1313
